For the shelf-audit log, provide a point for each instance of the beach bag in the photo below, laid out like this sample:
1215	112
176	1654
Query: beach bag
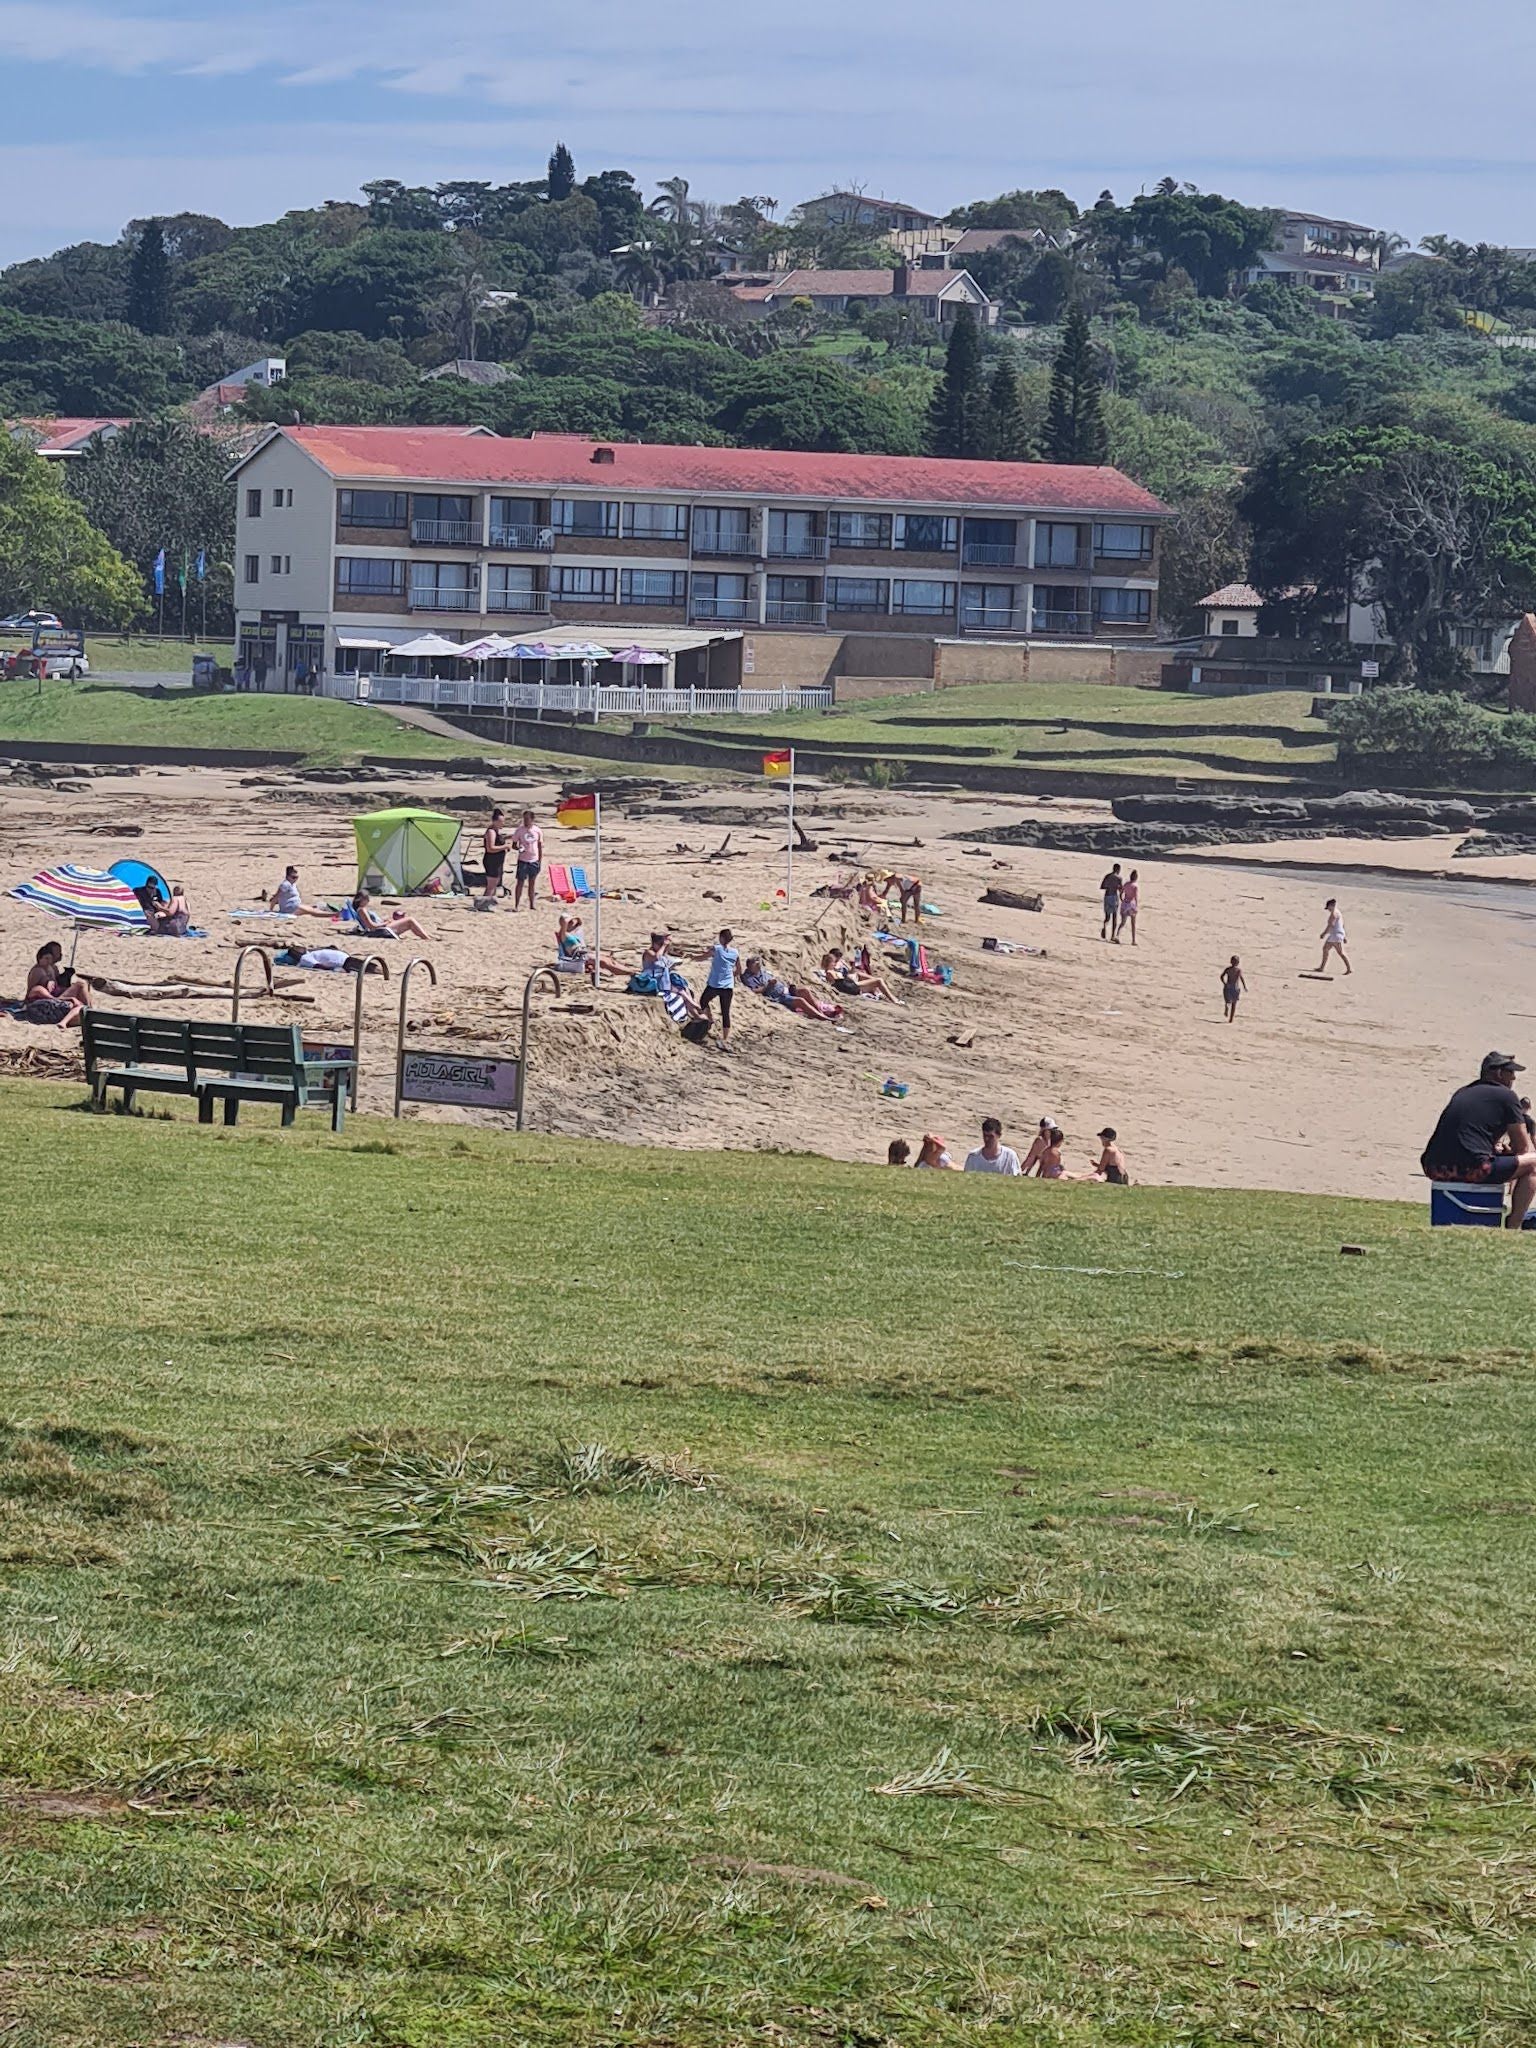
644	984
696	1030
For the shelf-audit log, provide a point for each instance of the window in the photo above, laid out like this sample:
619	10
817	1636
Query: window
520	523
926	533
512	589
929	599
792	601
253	568
373	508
1122	543
253	504
1124	607
987	607
595	584
591	518
445	587
363	576
1229	629
857	594
721	597
655	522
991	543
279	500
280	565
1056	546
861	529
722	530
794	536
653	586
454	520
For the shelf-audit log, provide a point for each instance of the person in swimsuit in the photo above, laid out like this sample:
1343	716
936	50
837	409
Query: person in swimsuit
909	890
936	1153
571	944
1130	903
1110	1164
1109	890
774	989
496	842
1050	1166
1232	986
170	920
392	927
1333	936
1039	1142
49	998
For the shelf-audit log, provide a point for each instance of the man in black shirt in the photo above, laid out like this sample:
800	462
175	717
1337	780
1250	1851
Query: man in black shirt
1476	1121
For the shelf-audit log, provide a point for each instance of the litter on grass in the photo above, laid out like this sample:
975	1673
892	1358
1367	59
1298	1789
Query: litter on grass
1098	1272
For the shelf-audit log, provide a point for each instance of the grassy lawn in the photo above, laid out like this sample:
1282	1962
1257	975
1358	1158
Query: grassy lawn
141	654
466	1591
1073	725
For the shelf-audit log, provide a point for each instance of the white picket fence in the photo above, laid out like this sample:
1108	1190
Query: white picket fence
438	693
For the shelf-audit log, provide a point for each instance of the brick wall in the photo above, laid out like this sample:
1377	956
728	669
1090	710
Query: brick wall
958	662
790	660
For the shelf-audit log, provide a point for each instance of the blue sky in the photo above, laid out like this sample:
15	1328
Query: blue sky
116	108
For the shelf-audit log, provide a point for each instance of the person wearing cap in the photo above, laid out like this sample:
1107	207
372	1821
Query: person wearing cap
1482	1137
1110	1164
934	1152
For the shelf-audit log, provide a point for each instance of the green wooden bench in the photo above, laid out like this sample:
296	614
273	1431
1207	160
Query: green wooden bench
232	1063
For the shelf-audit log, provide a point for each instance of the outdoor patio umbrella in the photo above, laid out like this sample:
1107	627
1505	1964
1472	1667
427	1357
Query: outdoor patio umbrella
89	898
428	644
641	657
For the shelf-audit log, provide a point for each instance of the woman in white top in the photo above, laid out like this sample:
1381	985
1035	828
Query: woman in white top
1333	936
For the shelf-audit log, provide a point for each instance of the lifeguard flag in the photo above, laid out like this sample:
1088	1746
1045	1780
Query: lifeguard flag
779	764
576	811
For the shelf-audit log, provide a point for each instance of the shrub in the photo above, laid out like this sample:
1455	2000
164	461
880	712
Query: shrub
1441	734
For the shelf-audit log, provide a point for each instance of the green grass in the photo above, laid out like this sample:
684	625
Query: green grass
466	1591
143	653
1021	724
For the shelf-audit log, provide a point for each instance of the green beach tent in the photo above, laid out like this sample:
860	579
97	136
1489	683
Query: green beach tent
400	852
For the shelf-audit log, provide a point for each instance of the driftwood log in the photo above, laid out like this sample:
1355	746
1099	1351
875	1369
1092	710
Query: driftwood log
1014	899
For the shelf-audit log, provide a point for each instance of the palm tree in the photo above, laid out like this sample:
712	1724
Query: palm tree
672	202
639	272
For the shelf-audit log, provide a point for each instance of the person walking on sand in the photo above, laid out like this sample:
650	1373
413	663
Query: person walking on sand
1130	903
1110	889
721	984
528	842
496	841
1232	986
1333	936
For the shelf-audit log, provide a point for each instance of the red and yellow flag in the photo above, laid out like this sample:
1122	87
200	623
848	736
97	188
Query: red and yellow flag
577	811
779	764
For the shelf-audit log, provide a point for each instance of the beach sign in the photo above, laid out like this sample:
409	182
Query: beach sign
462	1079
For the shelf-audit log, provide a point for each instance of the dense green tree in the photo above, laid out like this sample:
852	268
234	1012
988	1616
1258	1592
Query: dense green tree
957	421
149	282
620	207
411	208
1419	298
160	484
1047	290
1210	237
74	367
789	400
386	284
1074	422
50	554
560	179
1051	211
88	281
1010	436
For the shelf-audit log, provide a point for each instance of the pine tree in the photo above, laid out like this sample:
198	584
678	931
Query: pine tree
1008	434
1074	424
957	418
149	282
561	180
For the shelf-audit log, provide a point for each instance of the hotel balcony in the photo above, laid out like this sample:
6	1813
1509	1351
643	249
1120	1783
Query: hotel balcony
428	600
784	611
990	554
447	533
724	610
524	539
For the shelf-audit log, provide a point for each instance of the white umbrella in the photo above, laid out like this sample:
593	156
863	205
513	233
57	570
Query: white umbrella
426	645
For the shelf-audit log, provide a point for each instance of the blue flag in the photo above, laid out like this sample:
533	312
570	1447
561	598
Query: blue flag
160	574
202	564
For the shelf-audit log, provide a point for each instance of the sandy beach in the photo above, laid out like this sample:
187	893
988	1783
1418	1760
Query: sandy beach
1320	1086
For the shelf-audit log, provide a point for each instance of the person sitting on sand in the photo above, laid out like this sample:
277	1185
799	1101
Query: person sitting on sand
1110	1164
1039	1143
571	944
660	970
870	895
935	1153
898	1152
394	926
49	998
169	920
774	989
1232	986
288	902
1049	1166
868	978
993	1156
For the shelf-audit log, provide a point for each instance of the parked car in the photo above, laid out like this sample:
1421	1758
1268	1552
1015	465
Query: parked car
25	622
54	662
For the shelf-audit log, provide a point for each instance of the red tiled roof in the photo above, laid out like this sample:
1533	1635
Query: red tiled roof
1233	597
429	455
60	436
846	284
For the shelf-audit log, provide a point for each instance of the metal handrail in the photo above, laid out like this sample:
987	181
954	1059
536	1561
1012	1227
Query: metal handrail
538	975
372	964
419	960
240	959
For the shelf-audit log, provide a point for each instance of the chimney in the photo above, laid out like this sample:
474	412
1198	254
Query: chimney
902	280
602	455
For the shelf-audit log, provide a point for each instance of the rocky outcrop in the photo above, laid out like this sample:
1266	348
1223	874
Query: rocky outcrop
1366	813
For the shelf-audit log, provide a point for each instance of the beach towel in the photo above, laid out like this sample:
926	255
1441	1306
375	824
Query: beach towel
560	886
580	883
674	1006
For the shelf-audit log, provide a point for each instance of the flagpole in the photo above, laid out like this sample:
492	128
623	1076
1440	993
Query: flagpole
597	883
789	851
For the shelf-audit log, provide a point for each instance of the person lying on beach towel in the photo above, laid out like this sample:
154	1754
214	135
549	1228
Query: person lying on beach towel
328	959
394	926
803	1001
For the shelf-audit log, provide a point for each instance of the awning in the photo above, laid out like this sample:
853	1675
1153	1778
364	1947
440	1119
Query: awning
362	640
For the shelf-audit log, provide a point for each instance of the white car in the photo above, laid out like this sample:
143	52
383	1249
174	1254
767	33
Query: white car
24	622
63	662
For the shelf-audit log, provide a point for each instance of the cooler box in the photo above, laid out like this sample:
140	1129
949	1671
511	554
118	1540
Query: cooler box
1451	1203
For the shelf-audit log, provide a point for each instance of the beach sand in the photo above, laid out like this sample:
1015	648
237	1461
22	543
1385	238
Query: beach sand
1320	1086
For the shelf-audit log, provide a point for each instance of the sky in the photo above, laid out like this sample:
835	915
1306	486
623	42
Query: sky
124	108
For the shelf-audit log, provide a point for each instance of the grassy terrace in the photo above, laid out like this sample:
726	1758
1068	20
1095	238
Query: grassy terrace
465	1591
1079	726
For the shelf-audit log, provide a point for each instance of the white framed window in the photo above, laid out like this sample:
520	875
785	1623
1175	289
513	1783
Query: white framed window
1057	545
655	522
1126	607
928	533
861	529
722	530
652	586
1118	542
369	576
253	504
858	594
596	585
917	596
510	587
373	508
253	568
590	518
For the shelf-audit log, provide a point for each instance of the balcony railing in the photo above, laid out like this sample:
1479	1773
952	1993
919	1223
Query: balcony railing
993	618
536	601
449	533
806	547
524	539
990	554
430	600
724	609
1081	560
1045	621
785	611
725	544
652	598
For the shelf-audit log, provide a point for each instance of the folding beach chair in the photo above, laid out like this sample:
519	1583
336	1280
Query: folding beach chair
580	883
559	879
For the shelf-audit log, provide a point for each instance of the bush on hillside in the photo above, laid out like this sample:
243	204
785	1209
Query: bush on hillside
1441	735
